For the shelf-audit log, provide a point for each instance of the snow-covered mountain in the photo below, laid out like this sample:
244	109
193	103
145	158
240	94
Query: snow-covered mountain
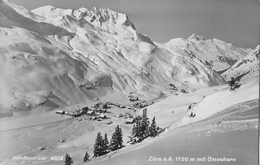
103	19
72	56
245	67
215	53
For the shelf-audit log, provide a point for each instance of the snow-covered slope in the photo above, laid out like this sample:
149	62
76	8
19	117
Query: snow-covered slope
225	98
76	55
245	67
215	53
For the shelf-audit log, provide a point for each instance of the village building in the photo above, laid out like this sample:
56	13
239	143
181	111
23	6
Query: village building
60	112
90	112
62	140
93	118
102	116
129	121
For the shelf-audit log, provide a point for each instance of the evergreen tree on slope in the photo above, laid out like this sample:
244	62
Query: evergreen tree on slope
86	157
117	139
144	124
68	159
98	146
105	144
153	128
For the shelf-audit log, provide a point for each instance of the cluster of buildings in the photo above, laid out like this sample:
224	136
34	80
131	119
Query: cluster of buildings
98	112
86	113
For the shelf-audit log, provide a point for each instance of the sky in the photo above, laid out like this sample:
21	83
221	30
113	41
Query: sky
233	21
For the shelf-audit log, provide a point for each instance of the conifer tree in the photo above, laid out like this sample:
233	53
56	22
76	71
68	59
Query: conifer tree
68	159
145	124
98	146
153	128
105	144
136	131
117	139
232	83
86	157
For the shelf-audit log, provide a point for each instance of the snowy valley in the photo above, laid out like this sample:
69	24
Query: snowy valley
54	59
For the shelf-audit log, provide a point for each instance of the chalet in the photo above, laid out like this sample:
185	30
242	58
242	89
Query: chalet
133	98
102	116
184	91
93	118
41	148
128	115
119	115
109	122
101	110
62	140
122	106
92	108
129	121
77	113
71	113
60	112
97	105
84	109
172	87
90	112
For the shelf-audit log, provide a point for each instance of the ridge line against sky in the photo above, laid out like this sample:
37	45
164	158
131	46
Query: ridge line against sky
233	21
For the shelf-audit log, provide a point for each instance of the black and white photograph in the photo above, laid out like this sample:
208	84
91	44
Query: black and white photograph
129	82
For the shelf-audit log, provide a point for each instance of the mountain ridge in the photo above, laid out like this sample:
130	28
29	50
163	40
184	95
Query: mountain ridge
77	60
245	67
215	53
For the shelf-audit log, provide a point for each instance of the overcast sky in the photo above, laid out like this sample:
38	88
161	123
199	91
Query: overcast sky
234	21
